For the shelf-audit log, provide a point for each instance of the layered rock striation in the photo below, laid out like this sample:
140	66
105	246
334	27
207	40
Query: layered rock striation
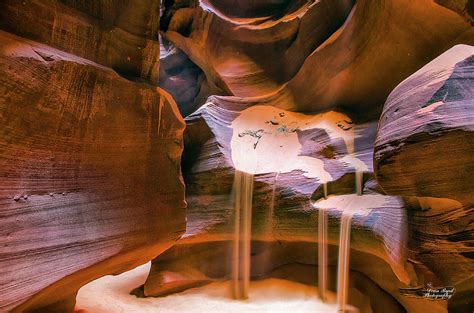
351	64
90	149
423	152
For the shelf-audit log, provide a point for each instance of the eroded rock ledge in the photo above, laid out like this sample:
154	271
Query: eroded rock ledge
353	62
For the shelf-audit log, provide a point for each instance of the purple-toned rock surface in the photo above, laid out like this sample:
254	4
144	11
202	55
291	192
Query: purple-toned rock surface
90	180
424	152
284	221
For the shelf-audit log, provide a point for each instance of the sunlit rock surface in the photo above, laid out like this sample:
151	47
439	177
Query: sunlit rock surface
430	118
265	140
90	179
289	92
424	151
224	136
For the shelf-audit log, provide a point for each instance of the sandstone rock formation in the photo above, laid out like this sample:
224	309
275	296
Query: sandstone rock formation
122	35
90	180
429	117
306	56
284	223
183	79
314	55
464	7
237	43
424	151
379	46
286	91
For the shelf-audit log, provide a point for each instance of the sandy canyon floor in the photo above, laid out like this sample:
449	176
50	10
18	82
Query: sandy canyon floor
110	294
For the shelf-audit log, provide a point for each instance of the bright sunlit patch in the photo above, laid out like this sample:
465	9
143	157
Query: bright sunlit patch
352	204
265	140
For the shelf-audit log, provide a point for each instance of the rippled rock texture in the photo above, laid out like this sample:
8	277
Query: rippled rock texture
90	148
424	151
90	175
249	48
430	118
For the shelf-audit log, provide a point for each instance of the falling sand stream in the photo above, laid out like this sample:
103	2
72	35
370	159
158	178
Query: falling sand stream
322	249
349	205
243	190
344	251
265	140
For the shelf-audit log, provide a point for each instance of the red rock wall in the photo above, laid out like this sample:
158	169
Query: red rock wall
90	175
122	35
423	151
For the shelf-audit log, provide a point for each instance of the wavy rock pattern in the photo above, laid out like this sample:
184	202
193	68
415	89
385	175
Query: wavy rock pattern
90	173
424	150
379	46
90	180
314	55
430	117
237	50
288	55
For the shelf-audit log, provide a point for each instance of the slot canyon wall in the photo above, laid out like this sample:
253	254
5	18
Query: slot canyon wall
90	148
307	95
432	112
253	63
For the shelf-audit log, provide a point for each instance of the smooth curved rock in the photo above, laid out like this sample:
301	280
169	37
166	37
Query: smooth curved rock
424	151
237	47
182	79
315	55
425	138
122	35
351	67
90	180
379	46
